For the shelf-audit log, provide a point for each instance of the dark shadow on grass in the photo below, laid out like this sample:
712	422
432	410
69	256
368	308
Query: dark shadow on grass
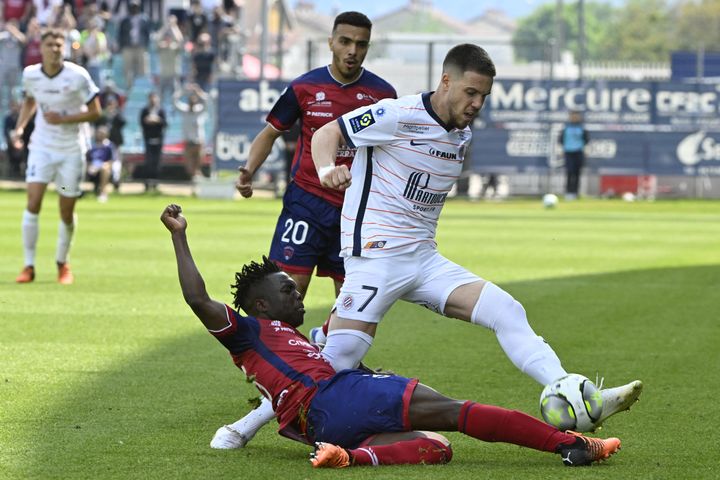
154	416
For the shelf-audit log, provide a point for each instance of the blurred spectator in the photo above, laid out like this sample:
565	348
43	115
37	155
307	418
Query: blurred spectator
573	138
169	51
31	55
94	48
110	92
193	127
113	119
220	27
18	10
203	62
134	42
65	21
11	46
47	10
14	148
153	122
197	20
100	159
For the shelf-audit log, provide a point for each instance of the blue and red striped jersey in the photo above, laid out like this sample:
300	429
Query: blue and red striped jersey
315	99
282	363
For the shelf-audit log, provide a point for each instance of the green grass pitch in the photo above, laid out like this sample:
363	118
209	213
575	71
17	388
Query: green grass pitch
113	377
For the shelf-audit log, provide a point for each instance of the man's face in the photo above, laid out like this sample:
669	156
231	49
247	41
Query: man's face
466	95
283	301
51	50
349	45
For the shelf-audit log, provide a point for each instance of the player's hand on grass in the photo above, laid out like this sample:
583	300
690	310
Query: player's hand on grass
53	118
173	219
336	177
244	182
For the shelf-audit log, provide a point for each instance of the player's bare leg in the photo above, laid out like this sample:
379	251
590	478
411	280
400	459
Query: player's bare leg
430	410
30	229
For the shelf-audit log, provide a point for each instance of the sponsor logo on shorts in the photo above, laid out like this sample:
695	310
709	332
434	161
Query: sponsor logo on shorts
362	121
288	252
378	244
347	302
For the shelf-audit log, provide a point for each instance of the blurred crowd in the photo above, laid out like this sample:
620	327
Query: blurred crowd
114	40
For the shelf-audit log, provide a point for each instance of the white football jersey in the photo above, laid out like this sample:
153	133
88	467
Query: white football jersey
67	92
407	161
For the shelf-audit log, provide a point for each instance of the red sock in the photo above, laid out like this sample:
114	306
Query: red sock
415	451
496	424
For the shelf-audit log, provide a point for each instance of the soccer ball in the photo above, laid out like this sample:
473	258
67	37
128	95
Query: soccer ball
550	200
572	402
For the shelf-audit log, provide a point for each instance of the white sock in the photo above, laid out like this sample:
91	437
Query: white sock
499	311
30	230
65	234
253	421
345	348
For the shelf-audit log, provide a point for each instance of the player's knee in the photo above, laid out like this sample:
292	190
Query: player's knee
496	309
345	348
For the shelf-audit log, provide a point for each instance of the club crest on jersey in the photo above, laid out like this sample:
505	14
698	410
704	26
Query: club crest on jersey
347	302
320	96
288	252
378	244
362	121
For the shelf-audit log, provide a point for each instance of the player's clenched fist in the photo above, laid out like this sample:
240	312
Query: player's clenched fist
335	177
244	182
173	219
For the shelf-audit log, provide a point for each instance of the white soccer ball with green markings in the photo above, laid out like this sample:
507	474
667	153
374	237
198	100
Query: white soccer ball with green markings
572	402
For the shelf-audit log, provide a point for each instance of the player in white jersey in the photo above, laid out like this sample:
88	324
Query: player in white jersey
64	97
409	154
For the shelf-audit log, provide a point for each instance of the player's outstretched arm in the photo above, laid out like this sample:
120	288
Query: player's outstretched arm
325	143
259	152
211	313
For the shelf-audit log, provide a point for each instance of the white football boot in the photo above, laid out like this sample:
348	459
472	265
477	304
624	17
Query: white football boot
618	399
238	434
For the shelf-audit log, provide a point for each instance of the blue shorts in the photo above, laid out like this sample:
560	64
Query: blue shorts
307	235
353	405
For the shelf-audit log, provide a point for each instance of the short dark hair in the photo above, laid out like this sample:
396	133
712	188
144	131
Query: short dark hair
249	277
52	32
467	57
356	19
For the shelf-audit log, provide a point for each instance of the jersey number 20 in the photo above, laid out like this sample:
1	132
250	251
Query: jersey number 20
297	231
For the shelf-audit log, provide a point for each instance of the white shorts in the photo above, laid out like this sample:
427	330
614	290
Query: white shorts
373	285
63	168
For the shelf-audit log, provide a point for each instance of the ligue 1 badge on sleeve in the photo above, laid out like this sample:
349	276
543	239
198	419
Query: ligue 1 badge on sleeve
362	121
